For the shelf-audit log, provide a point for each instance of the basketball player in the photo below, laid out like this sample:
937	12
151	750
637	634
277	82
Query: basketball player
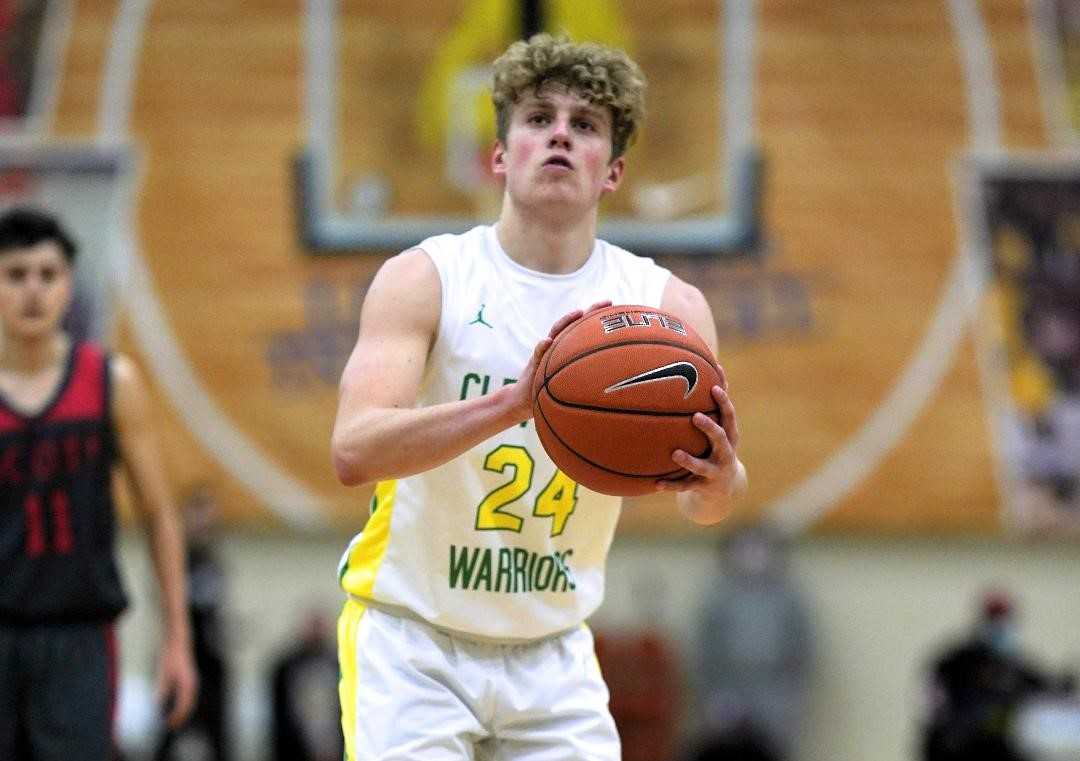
68	412
462	636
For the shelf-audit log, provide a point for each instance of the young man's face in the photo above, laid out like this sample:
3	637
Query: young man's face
35	290
557	151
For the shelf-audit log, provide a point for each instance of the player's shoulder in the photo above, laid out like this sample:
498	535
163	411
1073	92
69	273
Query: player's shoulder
688	302
450	248
682	297
406	269
634	278
433	254
407	290
628	260
124	372
618	252
86	357
130	395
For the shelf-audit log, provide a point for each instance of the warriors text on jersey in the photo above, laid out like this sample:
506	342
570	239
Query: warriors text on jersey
497	543
56	510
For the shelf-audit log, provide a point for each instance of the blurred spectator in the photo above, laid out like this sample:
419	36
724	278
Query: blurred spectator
641	672
205	735
754	652
306	716
976	688
21	36
744	744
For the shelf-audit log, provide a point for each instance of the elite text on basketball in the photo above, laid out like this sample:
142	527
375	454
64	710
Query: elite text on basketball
621	320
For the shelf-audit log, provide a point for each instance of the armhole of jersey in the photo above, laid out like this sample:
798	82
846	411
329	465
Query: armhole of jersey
436	255
641	275
662	276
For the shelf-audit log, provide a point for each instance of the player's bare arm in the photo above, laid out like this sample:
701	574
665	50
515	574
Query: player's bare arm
140	455
379	387
720	479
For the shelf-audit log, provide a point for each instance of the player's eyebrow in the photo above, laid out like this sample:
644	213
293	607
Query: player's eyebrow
582	109
532	101
592	111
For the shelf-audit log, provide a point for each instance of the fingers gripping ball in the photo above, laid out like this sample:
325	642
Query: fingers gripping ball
615	393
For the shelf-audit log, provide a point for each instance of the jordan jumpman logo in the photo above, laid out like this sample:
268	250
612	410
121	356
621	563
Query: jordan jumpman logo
480	318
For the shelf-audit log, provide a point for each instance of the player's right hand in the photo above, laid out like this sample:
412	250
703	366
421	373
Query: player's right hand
524	385
178	683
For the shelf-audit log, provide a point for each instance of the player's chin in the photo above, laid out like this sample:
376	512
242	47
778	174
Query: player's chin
31	328
561	193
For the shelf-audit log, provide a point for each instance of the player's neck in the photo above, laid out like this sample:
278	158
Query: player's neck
32	355
546	245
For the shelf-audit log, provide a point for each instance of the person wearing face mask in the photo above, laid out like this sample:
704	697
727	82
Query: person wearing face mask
976	687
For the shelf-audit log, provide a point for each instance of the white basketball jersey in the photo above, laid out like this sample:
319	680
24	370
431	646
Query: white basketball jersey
497	543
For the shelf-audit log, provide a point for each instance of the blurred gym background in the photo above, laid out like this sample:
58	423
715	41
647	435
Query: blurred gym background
881	201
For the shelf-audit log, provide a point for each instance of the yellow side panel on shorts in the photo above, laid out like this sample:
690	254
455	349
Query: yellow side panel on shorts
348	622
366	554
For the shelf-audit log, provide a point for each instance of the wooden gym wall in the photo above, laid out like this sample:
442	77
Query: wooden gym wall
861	110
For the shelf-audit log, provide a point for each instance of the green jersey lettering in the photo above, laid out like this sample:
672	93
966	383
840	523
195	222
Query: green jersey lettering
521	578
562	573
504	571
462	563
543	578
484	576
510	570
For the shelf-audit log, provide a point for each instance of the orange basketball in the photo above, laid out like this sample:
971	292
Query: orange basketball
615	393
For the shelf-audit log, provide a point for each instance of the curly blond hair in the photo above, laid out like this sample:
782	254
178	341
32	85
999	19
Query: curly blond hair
604	76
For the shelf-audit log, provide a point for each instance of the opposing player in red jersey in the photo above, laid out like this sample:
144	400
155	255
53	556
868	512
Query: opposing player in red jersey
69	413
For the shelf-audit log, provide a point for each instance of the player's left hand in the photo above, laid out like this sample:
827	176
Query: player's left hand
178	682
718	475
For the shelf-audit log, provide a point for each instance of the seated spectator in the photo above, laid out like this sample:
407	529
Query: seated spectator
976	687
306	722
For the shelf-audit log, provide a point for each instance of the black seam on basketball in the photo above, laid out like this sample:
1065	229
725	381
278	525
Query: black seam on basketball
576	357
593	408
650	342
598	466
555	342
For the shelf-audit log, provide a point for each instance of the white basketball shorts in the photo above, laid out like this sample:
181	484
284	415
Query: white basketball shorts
410	692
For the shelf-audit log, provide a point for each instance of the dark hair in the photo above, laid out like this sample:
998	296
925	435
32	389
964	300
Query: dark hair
23	227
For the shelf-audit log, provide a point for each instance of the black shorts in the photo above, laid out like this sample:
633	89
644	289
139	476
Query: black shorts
57	692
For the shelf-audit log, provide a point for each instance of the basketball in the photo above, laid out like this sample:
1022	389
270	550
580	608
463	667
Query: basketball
615	393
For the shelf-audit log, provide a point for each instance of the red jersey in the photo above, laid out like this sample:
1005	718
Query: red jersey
57	519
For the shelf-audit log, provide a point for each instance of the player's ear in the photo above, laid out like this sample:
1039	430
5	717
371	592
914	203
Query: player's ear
498	159
615	174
